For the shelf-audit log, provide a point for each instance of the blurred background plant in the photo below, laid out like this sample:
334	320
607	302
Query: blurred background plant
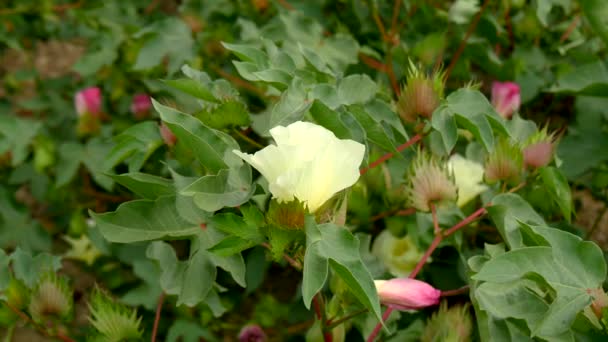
78	133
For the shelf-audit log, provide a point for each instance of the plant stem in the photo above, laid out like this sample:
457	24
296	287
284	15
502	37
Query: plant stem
331	324
455	292
38	327
435	220
463	43
389	155
159	307
294	263
248	139
376	330
317	303
426	255
467	220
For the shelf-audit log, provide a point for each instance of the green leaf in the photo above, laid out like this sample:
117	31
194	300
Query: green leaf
374	129
328	245
335	122
16	134
596	12
589	79
169	37
356	89
144	220
70	157
189	280
192	87
18	229
186	331
28	268
444	122
584	147
135	145
145	185
210	146
229	188
5	275
473	112
148	292
291	106
231	245
95	155
558	187
235	225
507	212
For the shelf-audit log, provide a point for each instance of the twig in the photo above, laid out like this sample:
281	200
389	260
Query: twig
286	5
294	263
151	6
389	155
331	324
463	43
376	330
596	222
481	211
38	327
455	292
248	139
570	28
372	62
434	244
159	308
435	220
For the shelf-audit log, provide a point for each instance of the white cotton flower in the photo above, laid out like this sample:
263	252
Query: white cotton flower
308	163
468	176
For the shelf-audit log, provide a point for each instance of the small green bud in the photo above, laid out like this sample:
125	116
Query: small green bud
113	321
505	163
429	181
286	215
421	95
52	297
449	324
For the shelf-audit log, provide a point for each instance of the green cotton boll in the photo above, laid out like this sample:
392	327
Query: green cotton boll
399	255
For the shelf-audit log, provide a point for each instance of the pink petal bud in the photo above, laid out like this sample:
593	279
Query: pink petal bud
506	98
406	294
538	154
88	101
252	333
168	137
140	106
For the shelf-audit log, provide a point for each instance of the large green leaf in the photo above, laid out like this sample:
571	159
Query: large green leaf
328	245
16	134
135	145
145	185
596	12
507	212
558	187
589	79
18	229
144	220
473	112
28	268
229	188
171	38
212	148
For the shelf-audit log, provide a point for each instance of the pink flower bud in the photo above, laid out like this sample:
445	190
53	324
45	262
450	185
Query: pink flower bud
88	101
140	106
506	98
252	333
168	137
406	293
538	154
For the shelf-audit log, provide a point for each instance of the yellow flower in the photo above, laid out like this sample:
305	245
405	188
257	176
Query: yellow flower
468	176
308	163
399	255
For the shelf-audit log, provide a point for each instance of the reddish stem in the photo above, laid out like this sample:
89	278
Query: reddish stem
376	330
426	255
435	220
455	292
294	263
372	62
159	307
463	43
466	221
389	155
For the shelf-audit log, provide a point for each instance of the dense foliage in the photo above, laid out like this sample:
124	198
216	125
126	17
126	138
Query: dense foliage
283	170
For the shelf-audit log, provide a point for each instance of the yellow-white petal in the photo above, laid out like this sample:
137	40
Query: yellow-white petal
468	176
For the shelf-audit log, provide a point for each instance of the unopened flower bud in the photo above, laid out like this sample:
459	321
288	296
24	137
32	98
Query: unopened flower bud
51	297
449	324
168	137
420	96
506	98
505	163
88	102
286	215
252	333
141	105
538	151
406	293
429	182
113	321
